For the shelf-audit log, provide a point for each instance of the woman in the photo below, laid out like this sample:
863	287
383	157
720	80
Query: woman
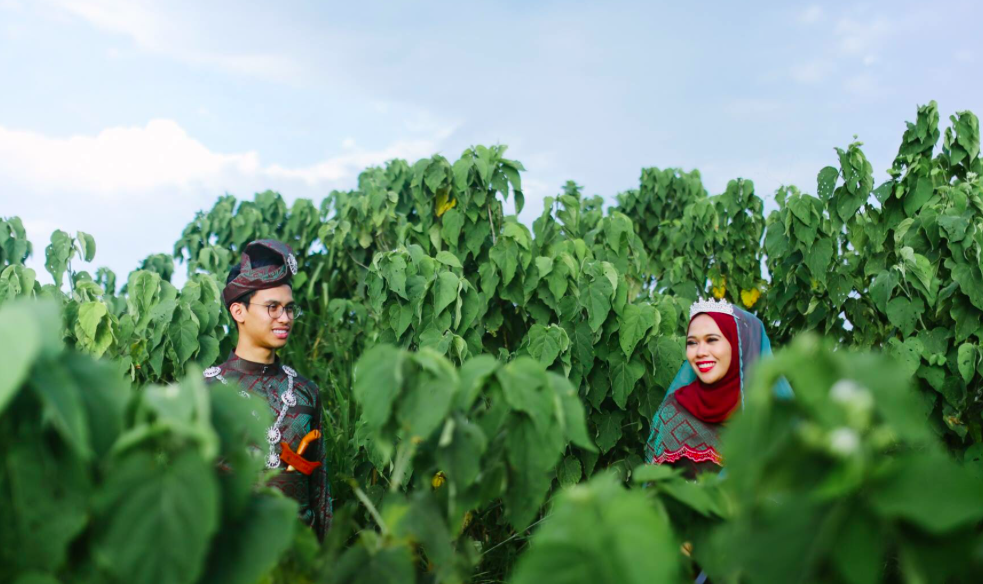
722	343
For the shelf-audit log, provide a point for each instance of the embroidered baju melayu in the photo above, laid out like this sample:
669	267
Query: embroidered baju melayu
296	406
686	427
294	440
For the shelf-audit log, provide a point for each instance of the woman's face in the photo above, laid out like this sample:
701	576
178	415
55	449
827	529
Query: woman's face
707	349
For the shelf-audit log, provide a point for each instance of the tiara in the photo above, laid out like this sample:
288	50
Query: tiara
702	305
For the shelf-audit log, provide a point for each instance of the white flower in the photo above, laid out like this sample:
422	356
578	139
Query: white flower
844	441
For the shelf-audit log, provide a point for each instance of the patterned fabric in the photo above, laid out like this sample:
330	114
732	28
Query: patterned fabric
676	433
261	278
266	383
680	434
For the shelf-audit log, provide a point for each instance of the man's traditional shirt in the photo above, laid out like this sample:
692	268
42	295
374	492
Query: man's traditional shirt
269	384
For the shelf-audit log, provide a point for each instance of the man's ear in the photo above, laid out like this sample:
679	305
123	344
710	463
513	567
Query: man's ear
238	311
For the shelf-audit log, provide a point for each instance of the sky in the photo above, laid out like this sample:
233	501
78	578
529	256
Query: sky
122	118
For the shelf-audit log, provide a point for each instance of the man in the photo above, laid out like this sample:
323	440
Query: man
259	298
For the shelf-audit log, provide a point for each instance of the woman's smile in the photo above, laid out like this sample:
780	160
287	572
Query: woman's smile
705	366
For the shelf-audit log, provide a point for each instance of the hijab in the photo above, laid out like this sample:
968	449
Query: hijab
714	402
688	427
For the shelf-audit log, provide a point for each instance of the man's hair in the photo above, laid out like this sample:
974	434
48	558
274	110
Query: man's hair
258	258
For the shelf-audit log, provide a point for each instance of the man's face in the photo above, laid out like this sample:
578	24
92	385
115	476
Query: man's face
255	321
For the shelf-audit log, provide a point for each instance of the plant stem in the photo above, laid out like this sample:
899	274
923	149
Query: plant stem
371	508
490	222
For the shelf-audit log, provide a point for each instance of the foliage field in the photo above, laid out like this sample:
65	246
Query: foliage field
490	385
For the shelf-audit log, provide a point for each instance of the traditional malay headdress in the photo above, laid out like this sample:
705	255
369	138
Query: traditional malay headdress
265	263
688	422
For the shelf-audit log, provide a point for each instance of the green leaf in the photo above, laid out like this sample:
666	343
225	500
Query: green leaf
967	357
635	321
601	532
46	492
858	552
170	506
183	334
925	280
608	429
390	564
969	278
461	456
904	313
909	353
394	271
247	549
882	287
425	402
957	493
532	454
20	344
826	181
451	223
88	245
505	254
93	328
569	472
378	380
448	285
546	343
624	374
448	259
571	412
544	265
818	258
61	398
208	353
522	384
57	255
36	578
598	302
142	290
918	196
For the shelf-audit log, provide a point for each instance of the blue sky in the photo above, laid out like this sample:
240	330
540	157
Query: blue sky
121	118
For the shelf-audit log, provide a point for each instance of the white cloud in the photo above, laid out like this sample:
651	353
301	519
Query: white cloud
122	163
811	14
813	71
105	184
863	85
155	31
754	106
964	56
863	38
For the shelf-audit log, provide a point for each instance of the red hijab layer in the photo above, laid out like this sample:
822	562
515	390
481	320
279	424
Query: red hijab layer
714	402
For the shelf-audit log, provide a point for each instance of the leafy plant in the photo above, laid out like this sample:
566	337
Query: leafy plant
102	483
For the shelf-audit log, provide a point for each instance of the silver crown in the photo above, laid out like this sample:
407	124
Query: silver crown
702	305
292	264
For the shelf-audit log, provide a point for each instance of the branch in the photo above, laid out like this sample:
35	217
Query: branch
494	239
371	508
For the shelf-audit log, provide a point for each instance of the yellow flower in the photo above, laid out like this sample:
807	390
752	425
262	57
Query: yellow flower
438	479
444	202
719	288
750	297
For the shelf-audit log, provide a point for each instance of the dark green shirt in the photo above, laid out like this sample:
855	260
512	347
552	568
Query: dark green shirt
267	384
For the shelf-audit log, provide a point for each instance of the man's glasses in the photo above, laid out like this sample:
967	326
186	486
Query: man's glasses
276	310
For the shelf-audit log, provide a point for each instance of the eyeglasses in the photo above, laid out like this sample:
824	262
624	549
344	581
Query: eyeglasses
276	310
